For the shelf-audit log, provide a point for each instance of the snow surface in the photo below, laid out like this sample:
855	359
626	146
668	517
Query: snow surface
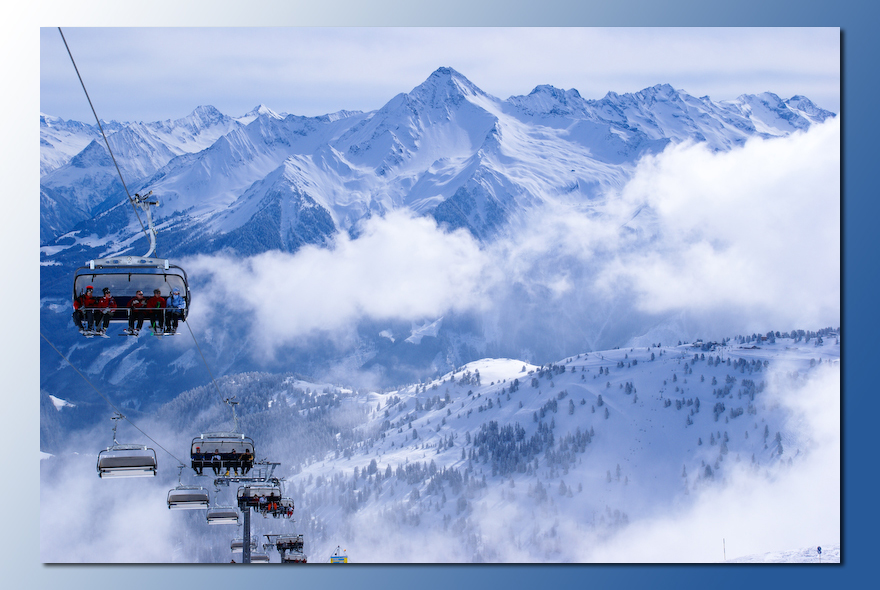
715	484
60	403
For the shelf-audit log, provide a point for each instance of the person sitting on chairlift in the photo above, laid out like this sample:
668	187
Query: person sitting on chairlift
157	302
198	461
175	305
232	462
136	312
83	307
105	305
215	462
247	461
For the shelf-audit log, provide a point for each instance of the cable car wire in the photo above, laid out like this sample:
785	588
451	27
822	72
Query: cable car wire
117	410
204	360
104	135
134	206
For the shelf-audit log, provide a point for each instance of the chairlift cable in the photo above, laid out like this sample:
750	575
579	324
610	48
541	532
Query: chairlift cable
104	135
204	360
107	400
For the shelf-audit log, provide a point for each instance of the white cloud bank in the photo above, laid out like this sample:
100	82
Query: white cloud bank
399	267
755	229
739	241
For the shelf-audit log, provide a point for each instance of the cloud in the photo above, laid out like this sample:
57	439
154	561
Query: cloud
754	231
697	244
399	267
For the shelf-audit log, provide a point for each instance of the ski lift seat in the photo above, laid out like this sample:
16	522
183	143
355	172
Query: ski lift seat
222	515
188	498
127	461
237	545
125	275
205	446
289	543
294	559
259	558
248	496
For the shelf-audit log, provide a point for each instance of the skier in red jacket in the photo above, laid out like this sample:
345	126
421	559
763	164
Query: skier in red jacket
136	313
105	305
84	307
157	318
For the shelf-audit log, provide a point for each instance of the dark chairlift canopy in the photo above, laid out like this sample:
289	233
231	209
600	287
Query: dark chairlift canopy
289	543
248	496
188	498
127	461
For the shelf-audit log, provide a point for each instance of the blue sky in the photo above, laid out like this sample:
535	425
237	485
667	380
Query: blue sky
150	74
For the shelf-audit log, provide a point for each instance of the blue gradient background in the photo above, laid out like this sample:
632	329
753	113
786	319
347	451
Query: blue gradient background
19	545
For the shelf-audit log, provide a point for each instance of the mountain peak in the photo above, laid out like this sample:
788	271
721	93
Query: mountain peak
445	85
262	109
94	154
203	116
547	99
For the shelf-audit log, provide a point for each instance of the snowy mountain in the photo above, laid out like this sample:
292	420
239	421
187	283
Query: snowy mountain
523	195
697	452
445	149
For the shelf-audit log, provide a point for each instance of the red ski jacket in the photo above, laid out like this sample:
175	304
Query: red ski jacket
84	300
155	301
106	303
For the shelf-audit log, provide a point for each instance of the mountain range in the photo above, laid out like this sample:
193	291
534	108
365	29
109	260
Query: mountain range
446	149
236	188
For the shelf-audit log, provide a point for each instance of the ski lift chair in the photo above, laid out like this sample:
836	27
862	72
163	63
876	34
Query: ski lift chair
188	498
248	495
222	515
206	445
125	275
237	545
126	460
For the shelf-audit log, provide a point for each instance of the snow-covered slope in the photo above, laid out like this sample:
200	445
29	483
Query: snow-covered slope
597	457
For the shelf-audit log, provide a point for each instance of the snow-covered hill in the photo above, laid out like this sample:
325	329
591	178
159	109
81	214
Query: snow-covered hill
697	452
